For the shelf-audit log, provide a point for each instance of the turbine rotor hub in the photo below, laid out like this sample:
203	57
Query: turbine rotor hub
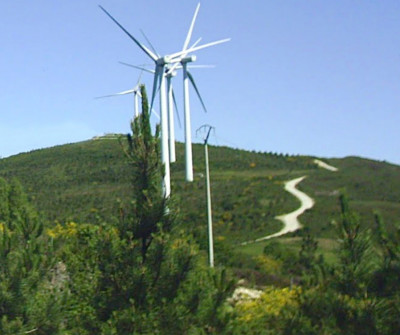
163	60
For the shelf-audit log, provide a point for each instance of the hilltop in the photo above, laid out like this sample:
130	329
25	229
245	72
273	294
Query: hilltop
83	182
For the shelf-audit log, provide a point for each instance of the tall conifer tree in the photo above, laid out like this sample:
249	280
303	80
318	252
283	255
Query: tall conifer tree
149	211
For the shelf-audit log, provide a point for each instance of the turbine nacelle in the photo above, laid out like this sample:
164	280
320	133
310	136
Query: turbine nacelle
188	59
162	61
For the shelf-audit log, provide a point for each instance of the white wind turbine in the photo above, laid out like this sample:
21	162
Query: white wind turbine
159	84
171	102
136	94
186	78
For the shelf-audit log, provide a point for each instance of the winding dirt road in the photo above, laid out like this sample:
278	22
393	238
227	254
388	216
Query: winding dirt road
326	166
290	221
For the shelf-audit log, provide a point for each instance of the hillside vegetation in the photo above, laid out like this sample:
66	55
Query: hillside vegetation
84	182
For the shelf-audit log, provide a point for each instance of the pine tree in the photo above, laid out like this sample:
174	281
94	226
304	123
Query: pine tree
29	301
356	258
149	212
314	269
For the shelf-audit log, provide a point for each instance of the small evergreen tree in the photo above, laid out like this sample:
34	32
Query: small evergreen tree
148	213
314	270
31	297
356	257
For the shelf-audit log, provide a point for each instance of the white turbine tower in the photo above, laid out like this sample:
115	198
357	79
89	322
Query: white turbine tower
171	102
159	84
160	63
186	78
171	124
136	94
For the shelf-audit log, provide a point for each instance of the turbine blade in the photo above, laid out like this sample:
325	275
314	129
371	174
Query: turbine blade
151	45
140	45
196	89
156	85
153	94
138	81
179	54
116	94
125	92
195	43
172	68
156	114
138	67
200	66
176	110
189	35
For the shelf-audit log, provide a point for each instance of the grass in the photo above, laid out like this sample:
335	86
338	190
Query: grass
327	247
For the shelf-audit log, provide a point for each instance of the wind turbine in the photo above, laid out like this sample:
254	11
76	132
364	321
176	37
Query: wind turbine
186	78
160	63
159	84
206	129
171	102
135	91
169	74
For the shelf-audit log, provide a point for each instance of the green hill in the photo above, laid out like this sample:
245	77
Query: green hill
84	181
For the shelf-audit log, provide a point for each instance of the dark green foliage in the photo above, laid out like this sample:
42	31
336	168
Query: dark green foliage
81	182
346	300
356	257
31	291
148	213
385	281
389	245
370	186
312	266
307	255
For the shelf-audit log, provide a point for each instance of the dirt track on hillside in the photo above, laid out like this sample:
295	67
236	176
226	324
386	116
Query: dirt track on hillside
290	221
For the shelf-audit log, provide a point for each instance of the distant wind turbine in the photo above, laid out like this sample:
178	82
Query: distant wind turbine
206	129
135	91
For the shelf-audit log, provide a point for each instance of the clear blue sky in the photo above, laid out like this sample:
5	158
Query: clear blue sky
300	77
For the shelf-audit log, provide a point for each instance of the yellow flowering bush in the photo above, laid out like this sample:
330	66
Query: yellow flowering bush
270	304
69	230
269	314
268	265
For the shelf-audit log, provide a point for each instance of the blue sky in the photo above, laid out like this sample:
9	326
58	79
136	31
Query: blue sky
300	77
